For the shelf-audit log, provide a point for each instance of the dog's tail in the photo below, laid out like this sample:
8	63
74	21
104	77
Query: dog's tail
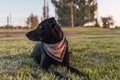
74	70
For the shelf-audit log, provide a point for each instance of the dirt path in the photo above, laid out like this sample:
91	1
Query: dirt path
20	33
12	33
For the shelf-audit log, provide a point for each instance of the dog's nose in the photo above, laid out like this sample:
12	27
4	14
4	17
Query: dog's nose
27	34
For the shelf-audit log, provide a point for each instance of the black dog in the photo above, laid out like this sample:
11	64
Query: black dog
52	47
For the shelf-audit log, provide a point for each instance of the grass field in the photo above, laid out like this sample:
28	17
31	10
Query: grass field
95	51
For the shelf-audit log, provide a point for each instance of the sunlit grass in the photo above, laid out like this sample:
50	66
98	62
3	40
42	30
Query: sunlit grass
95	51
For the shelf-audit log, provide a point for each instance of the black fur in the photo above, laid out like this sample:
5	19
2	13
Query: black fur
49	32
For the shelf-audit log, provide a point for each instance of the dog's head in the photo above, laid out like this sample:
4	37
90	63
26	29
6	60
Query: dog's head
45	31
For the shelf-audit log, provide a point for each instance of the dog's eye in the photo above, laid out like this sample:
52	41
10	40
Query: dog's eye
40	27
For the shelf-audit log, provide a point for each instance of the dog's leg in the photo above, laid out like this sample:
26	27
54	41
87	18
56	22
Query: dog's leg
45	61
36	49
36	53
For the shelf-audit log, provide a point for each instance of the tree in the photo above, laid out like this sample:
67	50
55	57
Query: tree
75	12
32	21
107	21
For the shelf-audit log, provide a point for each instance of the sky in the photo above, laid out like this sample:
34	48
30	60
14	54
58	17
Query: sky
21	9
109	8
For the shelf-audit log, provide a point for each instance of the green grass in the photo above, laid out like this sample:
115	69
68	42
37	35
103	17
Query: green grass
95	51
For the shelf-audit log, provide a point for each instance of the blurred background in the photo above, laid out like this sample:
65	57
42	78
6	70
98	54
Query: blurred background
68	13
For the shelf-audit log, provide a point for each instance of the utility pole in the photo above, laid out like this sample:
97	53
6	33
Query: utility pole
7	21
29	24
10	19
72	15
45	10
97	13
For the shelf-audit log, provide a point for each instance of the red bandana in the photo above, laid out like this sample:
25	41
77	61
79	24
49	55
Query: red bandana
56	51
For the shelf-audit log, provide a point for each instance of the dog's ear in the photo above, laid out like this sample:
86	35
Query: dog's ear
48	21
52	22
